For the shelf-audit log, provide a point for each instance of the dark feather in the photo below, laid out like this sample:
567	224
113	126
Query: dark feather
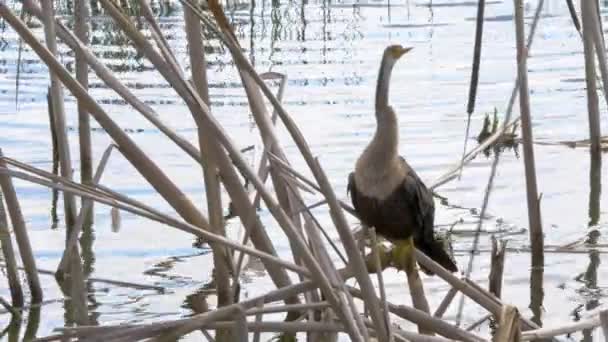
409	211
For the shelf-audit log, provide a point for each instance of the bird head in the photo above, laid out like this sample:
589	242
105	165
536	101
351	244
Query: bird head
395	52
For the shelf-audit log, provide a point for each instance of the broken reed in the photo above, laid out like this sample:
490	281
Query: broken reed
316	270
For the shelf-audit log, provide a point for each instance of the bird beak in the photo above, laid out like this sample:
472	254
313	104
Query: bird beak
403	51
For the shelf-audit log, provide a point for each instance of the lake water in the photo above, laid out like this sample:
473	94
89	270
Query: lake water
330	52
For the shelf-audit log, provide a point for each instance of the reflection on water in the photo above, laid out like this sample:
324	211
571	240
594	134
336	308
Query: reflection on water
330	51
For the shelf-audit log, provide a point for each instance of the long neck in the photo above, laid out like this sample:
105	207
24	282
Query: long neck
383	149
384	79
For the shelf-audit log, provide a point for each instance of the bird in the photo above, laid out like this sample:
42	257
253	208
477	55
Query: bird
386	192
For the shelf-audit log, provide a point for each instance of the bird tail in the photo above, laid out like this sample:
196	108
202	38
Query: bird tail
435	250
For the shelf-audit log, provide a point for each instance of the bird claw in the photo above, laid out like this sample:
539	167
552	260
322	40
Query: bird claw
403	255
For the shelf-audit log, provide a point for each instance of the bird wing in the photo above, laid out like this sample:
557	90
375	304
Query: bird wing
352	190
420	200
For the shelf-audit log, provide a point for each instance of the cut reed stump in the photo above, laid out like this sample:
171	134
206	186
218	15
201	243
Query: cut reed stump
508	326
497	265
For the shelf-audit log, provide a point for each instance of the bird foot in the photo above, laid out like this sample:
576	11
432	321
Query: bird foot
403	255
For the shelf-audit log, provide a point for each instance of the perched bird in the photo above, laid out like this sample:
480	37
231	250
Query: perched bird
386	192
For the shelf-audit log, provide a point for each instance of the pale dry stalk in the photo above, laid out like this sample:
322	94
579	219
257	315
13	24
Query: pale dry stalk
562	329
445	303
202	117
589	19
158	217
598	40
12	274
213	192
534	215
355	258
20	230
85	211
151	172
59	112
508	326
81	28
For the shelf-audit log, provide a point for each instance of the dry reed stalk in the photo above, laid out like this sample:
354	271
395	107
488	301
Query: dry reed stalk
81	28
59	112
286	199
78	290
55	156
242	327
20	230
589	18
310	183
284	327
573	16
272	296
353	322
376	256
508	326
429	322
484	207
132	285
202	117
598	40
85	211
8	252
112	82
479	295
225	312
55	178
497	264
9	308
508	123
407	336
181	327
157	34
476	57
263	169
604	323
159	217
313	222
563	329
534	216
261	310
210	171
258	319
312	227
481	4
527	323
151	172
417	292
478	322
445	303
355	258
